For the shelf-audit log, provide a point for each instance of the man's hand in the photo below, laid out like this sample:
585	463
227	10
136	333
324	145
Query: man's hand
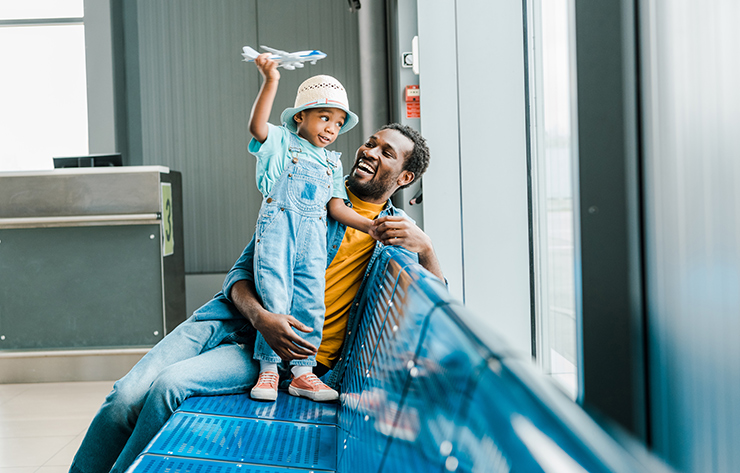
277	329
397	230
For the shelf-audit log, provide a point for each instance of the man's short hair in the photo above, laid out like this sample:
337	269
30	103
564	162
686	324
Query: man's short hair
417	161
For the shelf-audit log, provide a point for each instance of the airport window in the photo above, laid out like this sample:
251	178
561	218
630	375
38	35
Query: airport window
43	112
553	148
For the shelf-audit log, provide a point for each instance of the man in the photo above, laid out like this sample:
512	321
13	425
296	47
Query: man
210	353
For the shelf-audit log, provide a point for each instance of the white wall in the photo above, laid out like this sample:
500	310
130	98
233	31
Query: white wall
473	103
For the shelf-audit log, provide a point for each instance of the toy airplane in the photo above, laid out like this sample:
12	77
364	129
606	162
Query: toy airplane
285	59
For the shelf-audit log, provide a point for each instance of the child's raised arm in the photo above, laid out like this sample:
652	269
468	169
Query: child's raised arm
263	103
345	215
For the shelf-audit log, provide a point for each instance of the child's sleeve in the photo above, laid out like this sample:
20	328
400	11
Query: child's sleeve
339	190
270	156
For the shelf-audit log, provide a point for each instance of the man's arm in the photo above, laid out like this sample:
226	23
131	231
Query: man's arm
277	329
398	230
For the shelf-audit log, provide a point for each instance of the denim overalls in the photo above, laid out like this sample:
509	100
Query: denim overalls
290	247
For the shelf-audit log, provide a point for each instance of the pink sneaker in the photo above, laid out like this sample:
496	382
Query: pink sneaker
310	386
266	387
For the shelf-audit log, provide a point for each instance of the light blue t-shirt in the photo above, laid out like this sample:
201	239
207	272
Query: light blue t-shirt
272	157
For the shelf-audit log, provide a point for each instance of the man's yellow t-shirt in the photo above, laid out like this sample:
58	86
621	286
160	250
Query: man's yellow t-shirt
343	279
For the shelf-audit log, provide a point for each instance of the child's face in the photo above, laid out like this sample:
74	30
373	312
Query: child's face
320	126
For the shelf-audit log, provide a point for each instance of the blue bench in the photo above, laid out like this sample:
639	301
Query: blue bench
422	393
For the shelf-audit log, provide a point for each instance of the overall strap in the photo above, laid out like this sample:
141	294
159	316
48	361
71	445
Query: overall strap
332	158
294	148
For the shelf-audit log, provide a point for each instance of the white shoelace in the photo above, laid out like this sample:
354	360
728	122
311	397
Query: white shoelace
268	377
313	379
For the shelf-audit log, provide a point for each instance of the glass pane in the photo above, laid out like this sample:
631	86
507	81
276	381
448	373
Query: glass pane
27	9
556	317
43	102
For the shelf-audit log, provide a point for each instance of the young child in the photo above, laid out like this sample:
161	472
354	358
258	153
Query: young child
299	179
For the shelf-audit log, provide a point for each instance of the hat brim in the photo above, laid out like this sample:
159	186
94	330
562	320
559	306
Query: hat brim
286	118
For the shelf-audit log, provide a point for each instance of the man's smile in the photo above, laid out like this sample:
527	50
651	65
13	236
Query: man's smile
364	167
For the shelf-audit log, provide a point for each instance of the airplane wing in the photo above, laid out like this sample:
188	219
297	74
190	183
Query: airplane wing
282	54
249	53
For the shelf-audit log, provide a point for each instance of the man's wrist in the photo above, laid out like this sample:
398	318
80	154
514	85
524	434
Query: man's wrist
427	249
244	299
428	259
425	256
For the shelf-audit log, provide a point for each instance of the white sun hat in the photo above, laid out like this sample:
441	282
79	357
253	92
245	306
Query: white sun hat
320	92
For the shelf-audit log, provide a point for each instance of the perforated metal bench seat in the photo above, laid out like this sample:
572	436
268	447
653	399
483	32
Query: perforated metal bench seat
212	434
421	393
247	435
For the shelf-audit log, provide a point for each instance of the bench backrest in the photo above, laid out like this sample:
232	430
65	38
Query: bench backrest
424	393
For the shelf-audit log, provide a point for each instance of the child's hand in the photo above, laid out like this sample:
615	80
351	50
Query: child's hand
267	67
373	230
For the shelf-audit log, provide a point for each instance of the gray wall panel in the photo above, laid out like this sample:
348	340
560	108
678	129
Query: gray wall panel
325	25
473	114
691	54
196	96
437	81
493	147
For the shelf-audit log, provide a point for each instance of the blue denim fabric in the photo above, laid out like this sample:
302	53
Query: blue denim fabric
199	357
290	248
243	269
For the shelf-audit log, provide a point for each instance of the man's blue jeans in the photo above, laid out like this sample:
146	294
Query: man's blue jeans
198	357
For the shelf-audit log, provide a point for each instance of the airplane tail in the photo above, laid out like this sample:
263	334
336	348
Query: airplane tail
249	54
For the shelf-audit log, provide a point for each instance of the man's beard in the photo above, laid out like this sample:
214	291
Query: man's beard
375	189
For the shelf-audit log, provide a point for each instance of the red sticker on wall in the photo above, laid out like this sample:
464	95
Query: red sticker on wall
413	110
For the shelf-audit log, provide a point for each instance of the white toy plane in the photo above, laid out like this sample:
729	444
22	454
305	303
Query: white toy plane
285	59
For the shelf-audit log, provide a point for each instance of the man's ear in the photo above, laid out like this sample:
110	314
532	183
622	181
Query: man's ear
405	178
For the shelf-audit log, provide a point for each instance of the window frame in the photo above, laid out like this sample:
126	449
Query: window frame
541	262
609	237
99	65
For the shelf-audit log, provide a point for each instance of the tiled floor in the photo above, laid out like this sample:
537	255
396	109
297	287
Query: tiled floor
41	425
